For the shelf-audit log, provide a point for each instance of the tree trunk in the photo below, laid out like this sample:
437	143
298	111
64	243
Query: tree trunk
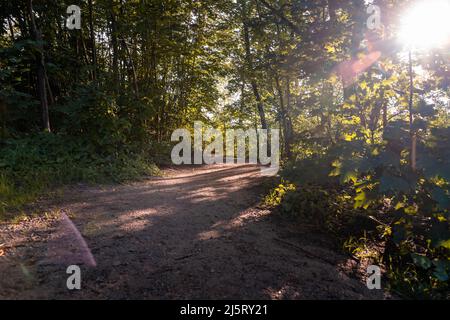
132	68
94	49
253	83
115	48
288	118
40	69
411	117
85	50
11	30
284	123
49	90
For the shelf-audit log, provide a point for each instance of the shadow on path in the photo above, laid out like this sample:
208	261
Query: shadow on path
196	234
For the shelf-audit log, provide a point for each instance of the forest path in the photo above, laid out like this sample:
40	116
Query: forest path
196	233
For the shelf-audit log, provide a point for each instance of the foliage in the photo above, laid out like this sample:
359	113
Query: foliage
416	202
31	166
277	195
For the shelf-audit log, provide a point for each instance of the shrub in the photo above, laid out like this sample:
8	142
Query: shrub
31	165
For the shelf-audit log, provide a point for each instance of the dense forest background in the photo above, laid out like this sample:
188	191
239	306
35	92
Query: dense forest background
365	130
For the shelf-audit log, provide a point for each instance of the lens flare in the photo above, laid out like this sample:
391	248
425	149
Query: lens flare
426	25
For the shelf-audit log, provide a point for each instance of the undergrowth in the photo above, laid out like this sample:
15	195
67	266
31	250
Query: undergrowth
32	166
413	268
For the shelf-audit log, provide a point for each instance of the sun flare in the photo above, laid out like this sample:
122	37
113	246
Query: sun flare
426	25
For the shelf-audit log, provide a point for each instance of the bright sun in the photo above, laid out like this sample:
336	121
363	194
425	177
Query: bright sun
426	25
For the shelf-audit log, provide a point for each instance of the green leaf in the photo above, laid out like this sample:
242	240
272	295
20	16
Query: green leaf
445	244
439	234
389	182
441	270
411	210
441	197
364	199
349	176
441	275
421	261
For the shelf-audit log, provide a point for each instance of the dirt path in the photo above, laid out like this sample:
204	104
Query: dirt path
194	234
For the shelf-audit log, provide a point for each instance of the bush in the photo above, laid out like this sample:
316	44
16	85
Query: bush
403	227
31	165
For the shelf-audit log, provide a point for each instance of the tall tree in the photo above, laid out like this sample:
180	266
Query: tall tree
40	68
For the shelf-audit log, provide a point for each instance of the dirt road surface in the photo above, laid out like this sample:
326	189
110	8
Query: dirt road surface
196	233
